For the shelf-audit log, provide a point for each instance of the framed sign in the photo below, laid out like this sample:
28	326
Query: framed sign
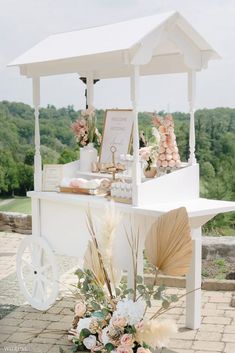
117	132
52	176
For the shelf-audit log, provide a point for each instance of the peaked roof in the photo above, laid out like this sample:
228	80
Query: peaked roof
161	43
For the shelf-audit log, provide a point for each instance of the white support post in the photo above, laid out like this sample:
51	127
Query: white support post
193	284
191	100
136	172
90	90
37	156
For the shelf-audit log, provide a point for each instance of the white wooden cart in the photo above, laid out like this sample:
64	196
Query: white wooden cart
159	44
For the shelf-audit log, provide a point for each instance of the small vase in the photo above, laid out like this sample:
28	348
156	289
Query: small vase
150	173
88	155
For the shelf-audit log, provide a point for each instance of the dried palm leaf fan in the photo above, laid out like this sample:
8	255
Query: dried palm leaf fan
91	262
168	243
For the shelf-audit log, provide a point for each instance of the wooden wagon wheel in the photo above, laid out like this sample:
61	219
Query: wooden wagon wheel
37	272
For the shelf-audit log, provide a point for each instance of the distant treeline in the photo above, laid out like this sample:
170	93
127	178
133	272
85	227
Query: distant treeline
215	148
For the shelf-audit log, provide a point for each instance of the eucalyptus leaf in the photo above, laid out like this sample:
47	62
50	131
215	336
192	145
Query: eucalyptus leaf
84	333
139	279
174	298
95	305
165	304
118	291
79	273
109	347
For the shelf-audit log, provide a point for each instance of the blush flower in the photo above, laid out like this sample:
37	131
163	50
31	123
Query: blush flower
119	321
124	349
90	342
80	308
143	350
127	340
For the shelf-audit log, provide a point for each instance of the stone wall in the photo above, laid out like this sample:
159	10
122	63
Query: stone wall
16	222
211	246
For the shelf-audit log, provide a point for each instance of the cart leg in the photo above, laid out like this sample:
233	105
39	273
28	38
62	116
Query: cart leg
193	282
36	217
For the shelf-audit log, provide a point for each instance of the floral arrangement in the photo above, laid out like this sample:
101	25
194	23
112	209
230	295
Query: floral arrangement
149	153
85	129
168	151
109	316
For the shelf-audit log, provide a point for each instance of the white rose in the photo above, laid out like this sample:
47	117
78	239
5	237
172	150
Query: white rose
104	336
83	323
132	311
90	342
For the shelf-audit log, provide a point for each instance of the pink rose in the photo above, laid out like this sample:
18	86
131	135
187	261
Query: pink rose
162	157
119	322
127	340
80	309
124	349
139	325
143	350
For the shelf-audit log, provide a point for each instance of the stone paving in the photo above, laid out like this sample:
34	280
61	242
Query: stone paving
26	329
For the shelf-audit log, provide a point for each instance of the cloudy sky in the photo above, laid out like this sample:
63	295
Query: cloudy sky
23	23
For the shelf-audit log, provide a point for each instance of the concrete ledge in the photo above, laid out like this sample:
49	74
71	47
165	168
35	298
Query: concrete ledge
218	247
180	282
16	222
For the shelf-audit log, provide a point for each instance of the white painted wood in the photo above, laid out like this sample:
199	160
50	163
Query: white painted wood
90	90
193	284
136	172
37	272
196	208
143	38
37	156
191	100
36	219
109	66
167	188
192	53
60	214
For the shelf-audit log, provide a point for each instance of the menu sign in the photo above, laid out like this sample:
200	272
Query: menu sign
52	176
117	132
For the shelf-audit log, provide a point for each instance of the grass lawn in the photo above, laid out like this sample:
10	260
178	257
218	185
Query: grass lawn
17	204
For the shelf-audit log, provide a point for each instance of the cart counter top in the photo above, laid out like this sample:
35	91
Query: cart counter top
199	207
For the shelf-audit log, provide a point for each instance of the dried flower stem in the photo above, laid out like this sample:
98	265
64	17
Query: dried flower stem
91	229
163	311
134	246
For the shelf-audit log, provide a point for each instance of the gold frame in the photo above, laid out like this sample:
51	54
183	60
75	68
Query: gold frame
53	184
105	124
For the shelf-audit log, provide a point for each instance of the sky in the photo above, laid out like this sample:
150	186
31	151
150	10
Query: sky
23	23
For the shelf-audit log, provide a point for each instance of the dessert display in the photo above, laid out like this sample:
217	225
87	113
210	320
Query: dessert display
168	156
84	186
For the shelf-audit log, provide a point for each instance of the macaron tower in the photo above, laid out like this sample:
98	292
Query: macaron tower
168	156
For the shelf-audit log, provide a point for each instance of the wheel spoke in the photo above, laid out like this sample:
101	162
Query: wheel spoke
27	263
41	289
37	272
34	290
45	280
36	254
28	277
45	268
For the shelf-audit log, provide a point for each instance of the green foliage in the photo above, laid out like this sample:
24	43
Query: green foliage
215	149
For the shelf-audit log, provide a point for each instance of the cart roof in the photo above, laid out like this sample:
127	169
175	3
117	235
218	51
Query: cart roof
162	43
